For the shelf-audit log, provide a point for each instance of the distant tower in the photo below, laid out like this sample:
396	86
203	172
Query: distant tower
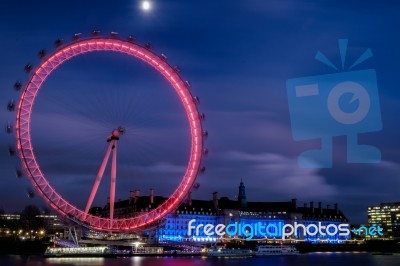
242	195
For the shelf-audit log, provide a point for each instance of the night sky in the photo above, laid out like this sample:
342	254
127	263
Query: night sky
237	56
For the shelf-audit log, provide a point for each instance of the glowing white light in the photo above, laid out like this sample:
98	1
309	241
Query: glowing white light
146	5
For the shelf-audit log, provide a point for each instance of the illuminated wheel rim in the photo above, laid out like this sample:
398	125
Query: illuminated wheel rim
32	168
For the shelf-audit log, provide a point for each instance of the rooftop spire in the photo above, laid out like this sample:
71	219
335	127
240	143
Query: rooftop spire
242	195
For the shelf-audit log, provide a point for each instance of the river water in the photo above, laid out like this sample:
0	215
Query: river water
311	259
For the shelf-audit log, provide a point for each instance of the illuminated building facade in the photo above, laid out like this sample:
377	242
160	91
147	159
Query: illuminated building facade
52	223
386	215
7	223
13	224
9	217
272	215
241	212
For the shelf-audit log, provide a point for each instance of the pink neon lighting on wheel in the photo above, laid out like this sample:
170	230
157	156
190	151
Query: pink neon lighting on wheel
31	166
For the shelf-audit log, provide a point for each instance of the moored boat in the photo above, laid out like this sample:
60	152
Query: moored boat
270	250
99	251
220	251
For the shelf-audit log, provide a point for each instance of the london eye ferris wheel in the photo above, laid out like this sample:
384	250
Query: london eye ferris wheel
113	140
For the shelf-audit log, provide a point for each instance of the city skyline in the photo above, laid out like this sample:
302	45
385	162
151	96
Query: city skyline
238	65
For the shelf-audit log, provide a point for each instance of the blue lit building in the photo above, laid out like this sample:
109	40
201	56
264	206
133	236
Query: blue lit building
251	220
240	218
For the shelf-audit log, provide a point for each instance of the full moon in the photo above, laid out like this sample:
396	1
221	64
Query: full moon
146	5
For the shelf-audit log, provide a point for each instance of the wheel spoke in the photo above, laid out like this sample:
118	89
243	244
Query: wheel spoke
113	180
98	178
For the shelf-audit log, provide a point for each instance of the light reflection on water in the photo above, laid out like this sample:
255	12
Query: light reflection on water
312	259
75	261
